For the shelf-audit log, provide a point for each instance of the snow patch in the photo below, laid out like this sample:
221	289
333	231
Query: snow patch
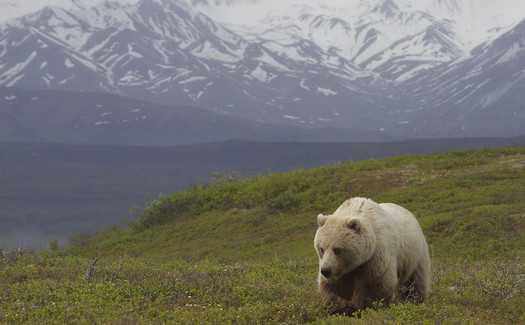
192	79
302	85
68	64
48	78
494	95
208	50
132	78
133	53
510	53
471	92
13	81
42	44
17	68
260	74
272	62
326	91
66	80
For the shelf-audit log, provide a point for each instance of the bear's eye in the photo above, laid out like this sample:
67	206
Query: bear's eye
337	251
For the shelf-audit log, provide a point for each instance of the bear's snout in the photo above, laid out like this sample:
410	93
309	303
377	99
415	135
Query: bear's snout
326	272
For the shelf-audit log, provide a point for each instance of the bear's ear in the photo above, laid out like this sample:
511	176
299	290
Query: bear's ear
354	224
321	219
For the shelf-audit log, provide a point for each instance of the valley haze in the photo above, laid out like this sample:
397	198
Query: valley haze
52	191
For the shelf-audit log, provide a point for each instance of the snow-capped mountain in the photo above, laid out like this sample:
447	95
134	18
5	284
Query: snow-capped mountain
404	67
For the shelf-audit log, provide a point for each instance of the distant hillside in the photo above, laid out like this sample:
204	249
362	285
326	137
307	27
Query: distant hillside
467	201
53	190
53	116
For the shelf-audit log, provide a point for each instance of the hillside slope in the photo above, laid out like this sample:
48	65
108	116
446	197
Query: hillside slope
240	251
469	201
50	191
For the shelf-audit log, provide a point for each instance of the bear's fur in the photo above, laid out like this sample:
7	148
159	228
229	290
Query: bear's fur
368	252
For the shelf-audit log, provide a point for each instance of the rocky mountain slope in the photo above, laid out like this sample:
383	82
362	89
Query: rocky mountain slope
432	68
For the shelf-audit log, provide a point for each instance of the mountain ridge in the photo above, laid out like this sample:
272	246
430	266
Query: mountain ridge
54	116
310	67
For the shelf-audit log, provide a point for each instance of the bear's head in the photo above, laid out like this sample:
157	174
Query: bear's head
343	243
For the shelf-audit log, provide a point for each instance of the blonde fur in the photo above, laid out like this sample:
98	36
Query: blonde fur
369	252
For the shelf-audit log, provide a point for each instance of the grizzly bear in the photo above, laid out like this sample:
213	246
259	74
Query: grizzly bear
367	253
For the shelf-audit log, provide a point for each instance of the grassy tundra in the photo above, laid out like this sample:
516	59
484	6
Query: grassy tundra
241	250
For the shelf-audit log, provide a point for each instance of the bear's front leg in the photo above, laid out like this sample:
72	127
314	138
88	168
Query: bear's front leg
343	310
372	292
339	305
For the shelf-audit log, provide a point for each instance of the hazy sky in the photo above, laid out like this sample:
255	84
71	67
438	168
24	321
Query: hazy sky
482	12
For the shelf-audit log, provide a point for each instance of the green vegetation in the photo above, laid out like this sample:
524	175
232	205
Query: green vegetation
52	190
240	251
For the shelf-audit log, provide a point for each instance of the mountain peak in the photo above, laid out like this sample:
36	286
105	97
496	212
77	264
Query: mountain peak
389	8
343	57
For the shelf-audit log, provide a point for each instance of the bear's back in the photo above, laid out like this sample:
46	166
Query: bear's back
409	233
